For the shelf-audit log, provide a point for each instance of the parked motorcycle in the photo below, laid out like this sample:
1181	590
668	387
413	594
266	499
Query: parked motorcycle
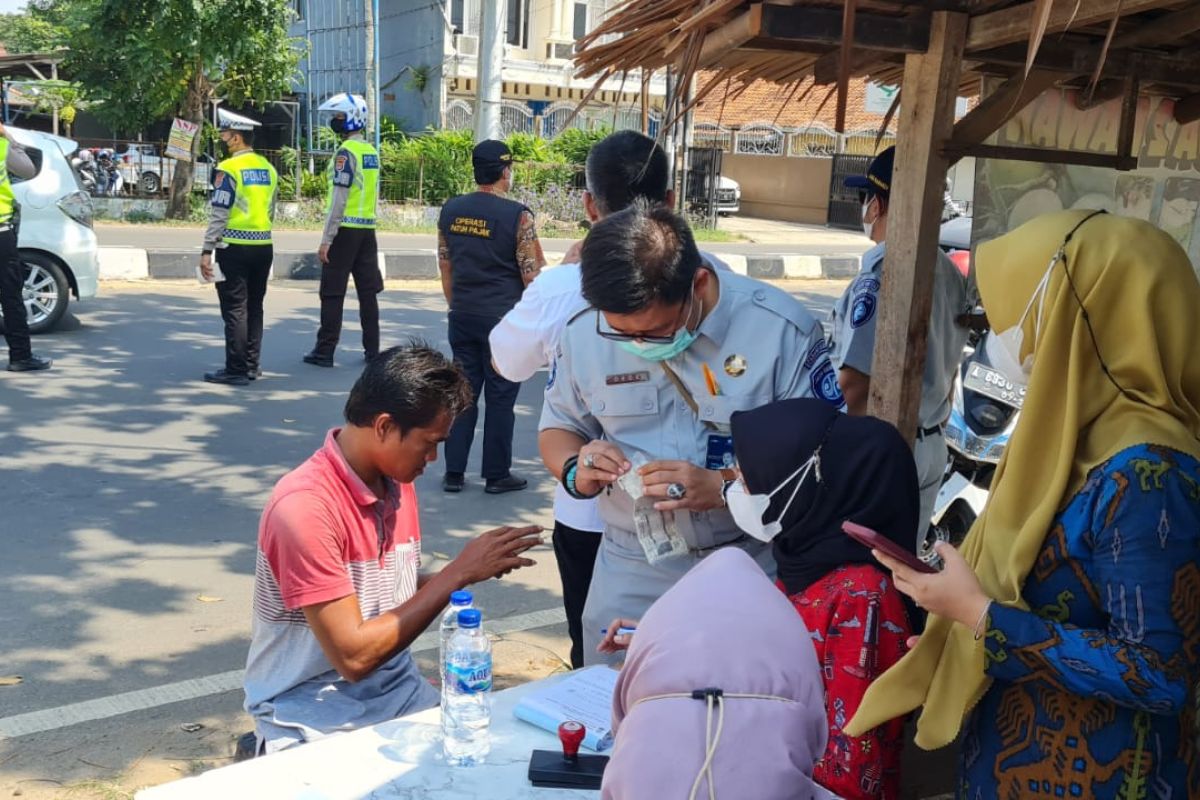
84	164
987	404
110	181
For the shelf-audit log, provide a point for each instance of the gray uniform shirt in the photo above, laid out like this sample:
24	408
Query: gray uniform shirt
852	330
18	162
760	344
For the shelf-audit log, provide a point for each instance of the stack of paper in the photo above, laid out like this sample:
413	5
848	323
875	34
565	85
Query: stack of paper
583	696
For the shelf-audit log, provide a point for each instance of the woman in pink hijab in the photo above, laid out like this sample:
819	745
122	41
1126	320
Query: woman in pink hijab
720	697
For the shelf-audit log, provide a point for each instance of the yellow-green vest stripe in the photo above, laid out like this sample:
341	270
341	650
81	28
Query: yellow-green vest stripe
7	203
256	183
363	198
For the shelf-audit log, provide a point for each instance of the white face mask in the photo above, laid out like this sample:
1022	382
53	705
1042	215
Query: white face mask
868	227
1006	345
748	509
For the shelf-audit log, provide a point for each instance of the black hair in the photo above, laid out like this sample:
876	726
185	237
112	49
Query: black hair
486	176
247	137
638	256
626	166
413	384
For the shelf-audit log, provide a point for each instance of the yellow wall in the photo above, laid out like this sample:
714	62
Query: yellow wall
775	187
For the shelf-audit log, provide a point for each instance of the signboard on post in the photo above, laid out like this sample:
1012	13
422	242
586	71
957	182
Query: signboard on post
179	144
879	98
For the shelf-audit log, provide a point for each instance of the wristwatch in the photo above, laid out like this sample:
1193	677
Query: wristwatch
570	467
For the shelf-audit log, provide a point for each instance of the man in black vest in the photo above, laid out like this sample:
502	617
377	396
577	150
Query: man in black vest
488	252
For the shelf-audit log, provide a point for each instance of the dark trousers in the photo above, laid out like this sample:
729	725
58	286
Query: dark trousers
353	252
575	552
247	268
469	342
12	283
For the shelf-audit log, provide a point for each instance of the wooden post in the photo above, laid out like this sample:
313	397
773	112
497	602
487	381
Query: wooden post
914	217
645	101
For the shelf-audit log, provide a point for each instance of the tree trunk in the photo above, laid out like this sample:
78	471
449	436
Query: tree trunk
178	205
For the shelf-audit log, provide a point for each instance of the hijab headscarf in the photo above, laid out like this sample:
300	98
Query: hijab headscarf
1143	300
724	625
866	475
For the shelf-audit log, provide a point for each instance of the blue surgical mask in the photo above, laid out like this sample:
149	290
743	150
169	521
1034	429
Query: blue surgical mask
664	352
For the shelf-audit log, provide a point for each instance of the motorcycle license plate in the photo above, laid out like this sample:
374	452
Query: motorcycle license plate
993	384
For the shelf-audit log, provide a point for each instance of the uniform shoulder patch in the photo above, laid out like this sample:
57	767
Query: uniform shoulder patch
223	190
865	300
825	384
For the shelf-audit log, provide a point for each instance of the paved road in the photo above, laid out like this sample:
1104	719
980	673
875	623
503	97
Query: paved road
132	489
810	241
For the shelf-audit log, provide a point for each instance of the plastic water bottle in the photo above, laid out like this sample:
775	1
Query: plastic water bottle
459	601
466	701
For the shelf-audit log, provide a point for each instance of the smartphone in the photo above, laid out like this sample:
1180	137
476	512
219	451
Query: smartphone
869	538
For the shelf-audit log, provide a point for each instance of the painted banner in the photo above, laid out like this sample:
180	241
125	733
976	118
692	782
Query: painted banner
179	143
1163	190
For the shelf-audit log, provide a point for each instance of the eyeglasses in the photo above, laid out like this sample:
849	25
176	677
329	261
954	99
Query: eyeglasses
648	338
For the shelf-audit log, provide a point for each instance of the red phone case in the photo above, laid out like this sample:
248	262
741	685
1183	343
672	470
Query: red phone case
869	538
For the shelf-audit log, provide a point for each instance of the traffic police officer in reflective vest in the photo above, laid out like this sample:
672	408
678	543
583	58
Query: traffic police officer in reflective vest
14	161
239	231
852	334
348	245
641	395
488	252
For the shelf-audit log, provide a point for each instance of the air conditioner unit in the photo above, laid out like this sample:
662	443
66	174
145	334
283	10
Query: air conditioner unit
560	51
466	44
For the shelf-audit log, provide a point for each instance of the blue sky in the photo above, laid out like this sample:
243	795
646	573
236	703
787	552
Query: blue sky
8	6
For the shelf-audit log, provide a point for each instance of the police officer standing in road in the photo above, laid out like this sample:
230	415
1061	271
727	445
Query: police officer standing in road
488	252
348	243
239	231
852	335
14	161
643	389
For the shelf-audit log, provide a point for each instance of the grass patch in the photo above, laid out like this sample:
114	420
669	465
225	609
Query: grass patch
98	790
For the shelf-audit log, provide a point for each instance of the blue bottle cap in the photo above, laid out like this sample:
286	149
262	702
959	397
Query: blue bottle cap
469	618
460	598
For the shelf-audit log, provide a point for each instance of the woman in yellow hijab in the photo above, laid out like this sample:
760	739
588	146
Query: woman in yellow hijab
1065	638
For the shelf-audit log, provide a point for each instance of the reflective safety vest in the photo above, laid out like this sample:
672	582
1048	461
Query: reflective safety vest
255	184
363	199
6	192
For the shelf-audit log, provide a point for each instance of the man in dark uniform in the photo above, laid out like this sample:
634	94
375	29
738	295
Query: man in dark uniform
14	161
488	252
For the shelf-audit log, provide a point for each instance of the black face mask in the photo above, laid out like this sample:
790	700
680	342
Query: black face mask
223	147
337	125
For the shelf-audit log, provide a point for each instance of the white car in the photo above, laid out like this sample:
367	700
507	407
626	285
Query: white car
143	166
729	196
56	243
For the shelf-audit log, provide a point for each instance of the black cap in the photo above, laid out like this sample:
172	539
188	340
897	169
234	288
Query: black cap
878	179
489	158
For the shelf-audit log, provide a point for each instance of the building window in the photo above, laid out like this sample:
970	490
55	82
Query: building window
298	7
580	25
518	23
456	15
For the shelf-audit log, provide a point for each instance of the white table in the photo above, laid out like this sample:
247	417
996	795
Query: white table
397	759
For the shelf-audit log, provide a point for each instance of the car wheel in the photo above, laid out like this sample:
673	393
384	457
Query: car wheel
46	292
149	183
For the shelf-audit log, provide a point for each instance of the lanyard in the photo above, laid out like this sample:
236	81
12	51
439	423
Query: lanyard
687	395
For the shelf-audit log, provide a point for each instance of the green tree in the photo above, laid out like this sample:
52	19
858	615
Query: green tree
145	60
40	28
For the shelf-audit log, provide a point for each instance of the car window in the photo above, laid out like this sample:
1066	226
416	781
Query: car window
36	156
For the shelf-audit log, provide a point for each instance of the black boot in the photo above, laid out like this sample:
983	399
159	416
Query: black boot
30	363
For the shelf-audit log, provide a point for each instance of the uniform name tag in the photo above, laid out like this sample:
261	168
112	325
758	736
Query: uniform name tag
256	177
627	377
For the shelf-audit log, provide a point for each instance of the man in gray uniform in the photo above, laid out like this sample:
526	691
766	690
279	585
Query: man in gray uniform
641	394
852	335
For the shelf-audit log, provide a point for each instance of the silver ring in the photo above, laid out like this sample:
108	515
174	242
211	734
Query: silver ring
589	461
676	491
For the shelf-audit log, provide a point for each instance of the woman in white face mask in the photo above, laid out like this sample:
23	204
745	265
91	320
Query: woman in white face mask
806	469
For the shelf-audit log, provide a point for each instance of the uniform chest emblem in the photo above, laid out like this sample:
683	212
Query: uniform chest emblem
735	366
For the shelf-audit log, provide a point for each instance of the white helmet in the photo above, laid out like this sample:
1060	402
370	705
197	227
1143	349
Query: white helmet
352	105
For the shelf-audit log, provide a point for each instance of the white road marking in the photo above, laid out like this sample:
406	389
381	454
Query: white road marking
102	708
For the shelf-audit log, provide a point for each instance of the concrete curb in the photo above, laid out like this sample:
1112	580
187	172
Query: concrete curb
132	263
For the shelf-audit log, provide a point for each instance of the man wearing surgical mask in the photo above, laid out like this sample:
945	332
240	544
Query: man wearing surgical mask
852	333
641	394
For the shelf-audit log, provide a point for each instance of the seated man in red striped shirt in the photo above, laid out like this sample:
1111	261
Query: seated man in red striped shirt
337	595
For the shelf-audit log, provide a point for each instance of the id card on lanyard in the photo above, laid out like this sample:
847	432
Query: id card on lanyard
719	455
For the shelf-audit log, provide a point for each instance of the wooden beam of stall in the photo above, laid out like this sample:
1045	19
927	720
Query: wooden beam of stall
914	217
825	69
1078	57
1002	105
955	151
1172	27
1128	123
823	26
1011	25
730	36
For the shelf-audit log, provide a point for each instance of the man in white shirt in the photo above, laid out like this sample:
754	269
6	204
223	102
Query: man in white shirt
621	168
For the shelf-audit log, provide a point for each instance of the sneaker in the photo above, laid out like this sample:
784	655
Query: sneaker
226	378
254	374
454	482
30	364
509	483
318	360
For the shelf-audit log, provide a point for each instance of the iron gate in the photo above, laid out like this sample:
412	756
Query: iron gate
703	183
845	209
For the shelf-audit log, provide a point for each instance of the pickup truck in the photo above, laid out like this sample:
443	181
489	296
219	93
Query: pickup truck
143	166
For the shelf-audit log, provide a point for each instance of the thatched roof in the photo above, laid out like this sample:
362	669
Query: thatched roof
1094	43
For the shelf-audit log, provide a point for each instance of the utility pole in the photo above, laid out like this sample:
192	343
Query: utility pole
493	16
369	58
